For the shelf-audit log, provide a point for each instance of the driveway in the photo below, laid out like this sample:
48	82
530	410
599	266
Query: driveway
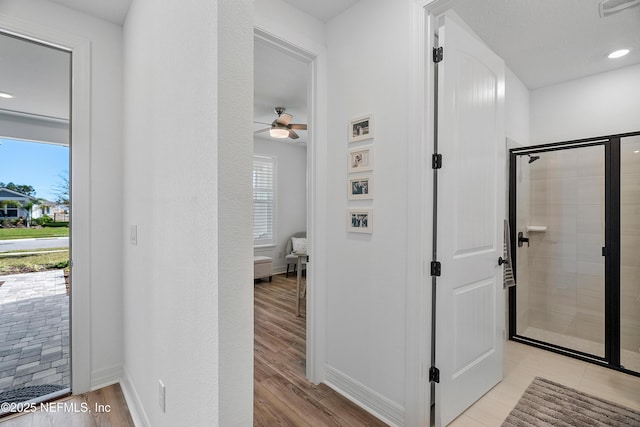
26	244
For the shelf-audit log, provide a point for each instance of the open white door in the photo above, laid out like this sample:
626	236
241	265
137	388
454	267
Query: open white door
470	214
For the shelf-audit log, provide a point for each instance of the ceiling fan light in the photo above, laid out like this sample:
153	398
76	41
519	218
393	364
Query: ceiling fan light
5	95
279	132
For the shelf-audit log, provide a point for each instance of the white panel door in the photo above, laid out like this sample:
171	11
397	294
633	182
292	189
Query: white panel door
470	214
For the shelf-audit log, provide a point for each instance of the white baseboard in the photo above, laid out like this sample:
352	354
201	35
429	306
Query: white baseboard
105	377
279	269
136	409
371	401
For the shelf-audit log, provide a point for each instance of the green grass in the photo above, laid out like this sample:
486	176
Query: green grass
32	263
33	250
30	233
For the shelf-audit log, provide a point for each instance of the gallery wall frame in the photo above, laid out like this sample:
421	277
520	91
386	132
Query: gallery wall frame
360	187
360	220
361	128
361	159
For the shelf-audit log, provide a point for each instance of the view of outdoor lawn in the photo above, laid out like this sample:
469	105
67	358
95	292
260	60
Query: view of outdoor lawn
18	222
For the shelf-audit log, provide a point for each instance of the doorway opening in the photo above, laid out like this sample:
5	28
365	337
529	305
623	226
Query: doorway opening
281	176
573	214
35	128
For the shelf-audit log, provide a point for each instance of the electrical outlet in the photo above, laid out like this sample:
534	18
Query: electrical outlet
162	396
133	234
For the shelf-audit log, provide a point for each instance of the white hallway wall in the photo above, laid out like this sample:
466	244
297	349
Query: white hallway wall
188	288
291	195
105	174
367	277
517	99
603	104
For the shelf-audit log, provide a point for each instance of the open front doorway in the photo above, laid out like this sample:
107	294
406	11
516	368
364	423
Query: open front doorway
35	105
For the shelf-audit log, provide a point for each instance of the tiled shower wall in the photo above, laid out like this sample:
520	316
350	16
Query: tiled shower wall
566	267
561	275
630	249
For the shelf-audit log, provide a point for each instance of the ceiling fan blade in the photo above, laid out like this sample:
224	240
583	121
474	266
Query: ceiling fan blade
293	135
262	130
284	119
262	123
298	126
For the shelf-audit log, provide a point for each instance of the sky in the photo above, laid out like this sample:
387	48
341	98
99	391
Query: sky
32	163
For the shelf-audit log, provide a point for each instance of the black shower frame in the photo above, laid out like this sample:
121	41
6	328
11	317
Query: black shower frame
611	250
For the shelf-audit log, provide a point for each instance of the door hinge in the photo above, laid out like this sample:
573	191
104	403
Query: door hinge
436	161
434	375
604	251
436	268
438	54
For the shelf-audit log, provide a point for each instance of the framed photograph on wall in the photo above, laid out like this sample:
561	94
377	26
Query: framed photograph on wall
360	187
361	159
360	220
361	128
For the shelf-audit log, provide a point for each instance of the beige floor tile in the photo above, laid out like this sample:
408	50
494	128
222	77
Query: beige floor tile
523	363
612	385
466	421
489	410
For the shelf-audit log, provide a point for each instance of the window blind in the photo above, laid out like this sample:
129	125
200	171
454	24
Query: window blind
263	200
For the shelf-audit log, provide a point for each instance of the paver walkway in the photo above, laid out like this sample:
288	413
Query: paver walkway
34	330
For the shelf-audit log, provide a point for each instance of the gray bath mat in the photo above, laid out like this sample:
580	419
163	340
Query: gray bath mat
545	403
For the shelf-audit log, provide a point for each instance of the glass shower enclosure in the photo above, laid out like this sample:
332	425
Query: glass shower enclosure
575	233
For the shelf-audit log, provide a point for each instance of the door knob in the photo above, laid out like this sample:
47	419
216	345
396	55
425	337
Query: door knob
502	261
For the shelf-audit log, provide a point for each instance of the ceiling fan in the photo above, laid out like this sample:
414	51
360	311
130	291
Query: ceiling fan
282	127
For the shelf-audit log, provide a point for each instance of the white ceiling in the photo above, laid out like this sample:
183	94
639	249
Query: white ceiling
551	41
542	41
324	10
37	76
114	11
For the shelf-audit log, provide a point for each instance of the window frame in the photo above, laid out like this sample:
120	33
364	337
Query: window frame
268	159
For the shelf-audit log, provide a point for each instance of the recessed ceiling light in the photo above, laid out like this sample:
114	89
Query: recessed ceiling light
618	53
5	95
637	151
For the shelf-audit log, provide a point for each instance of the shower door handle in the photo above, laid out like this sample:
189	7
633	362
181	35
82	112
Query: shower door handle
522	240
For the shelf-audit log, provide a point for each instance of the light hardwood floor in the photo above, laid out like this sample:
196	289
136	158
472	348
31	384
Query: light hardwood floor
84	410
282	395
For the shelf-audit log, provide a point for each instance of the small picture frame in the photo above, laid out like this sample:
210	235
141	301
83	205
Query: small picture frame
361	128
361	159
360	221
360	187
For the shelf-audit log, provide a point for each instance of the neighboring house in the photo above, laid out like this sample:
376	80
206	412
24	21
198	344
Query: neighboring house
44	207
12	210
56	211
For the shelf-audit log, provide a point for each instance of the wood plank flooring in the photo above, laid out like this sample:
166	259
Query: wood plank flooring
282	395
84	410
